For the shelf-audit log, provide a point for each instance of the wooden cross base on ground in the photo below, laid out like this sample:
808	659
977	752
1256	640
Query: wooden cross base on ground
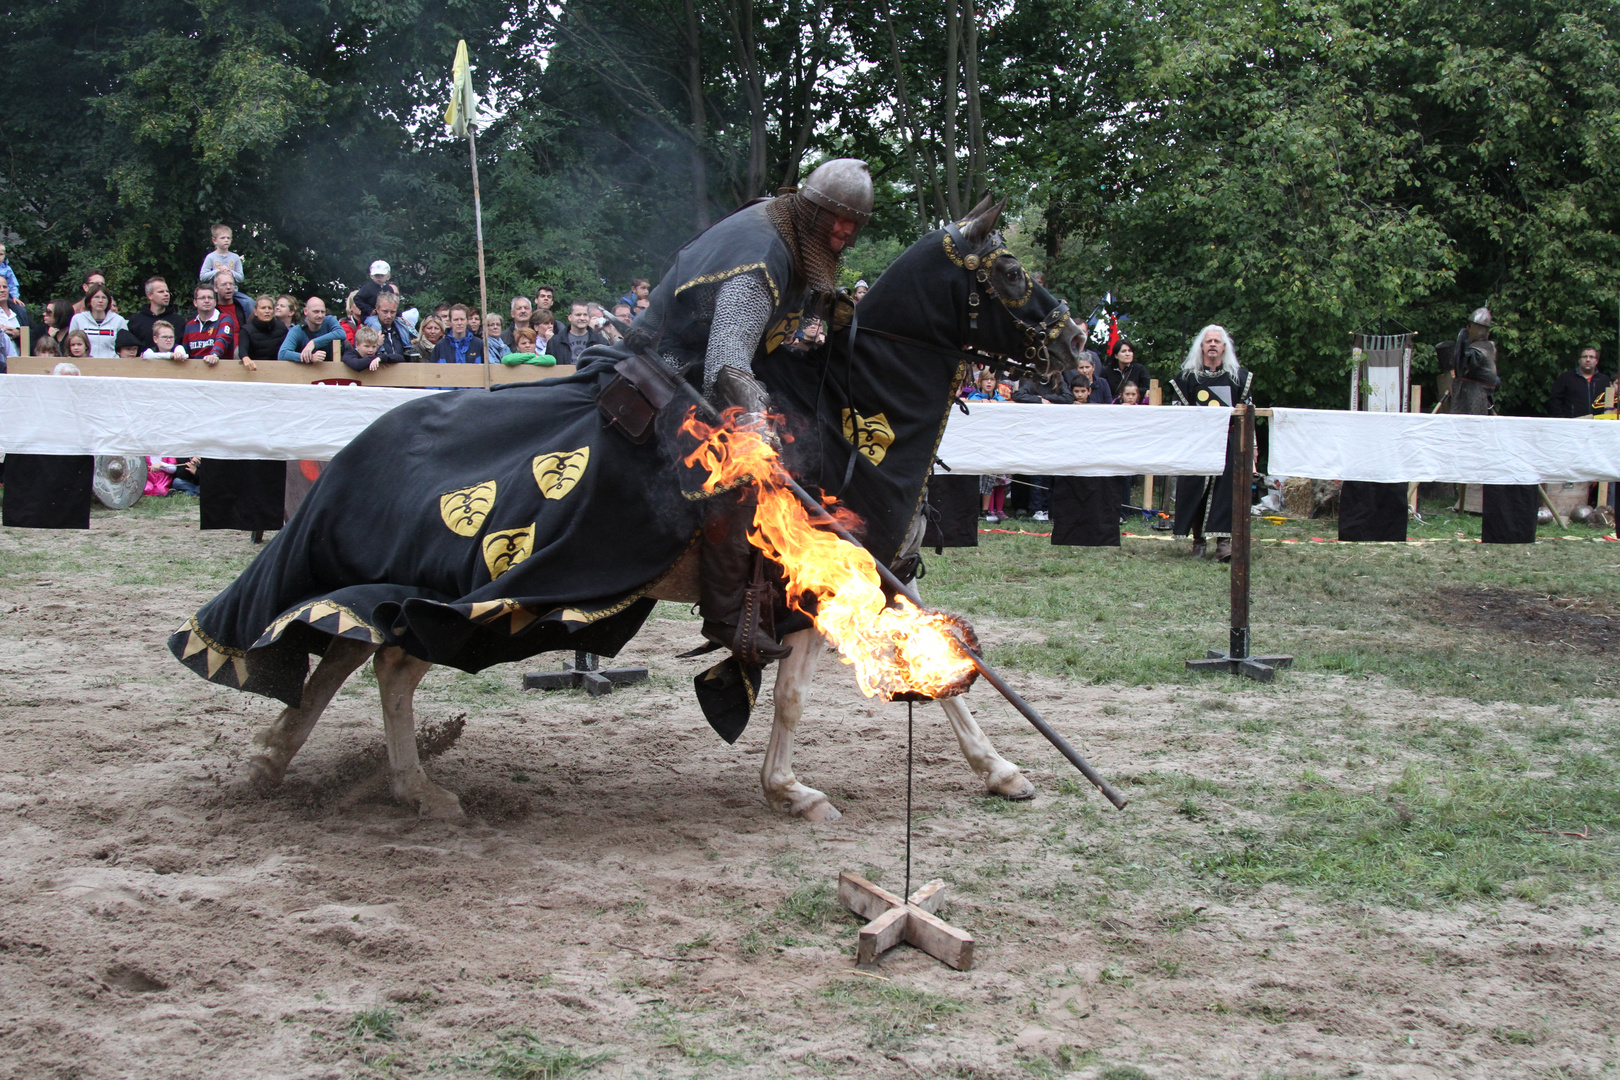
586	673
894	920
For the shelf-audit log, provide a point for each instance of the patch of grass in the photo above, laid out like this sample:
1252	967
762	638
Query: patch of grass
1349	609
375	1024
810	905
1427	837
674	1035
894	1015
520	1055
1123	1072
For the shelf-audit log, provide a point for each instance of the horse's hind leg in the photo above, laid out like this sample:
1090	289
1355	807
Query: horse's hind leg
1000	776
782	789
283	738
398	673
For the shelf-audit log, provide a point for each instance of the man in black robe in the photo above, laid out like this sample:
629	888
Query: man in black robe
1205	504
735	294
1575	392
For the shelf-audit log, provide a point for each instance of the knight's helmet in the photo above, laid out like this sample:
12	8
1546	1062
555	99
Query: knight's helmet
843	187
840	188
1479	324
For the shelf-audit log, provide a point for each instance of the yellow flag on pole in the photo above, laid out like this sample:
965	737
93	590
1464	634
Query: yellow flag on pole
463	102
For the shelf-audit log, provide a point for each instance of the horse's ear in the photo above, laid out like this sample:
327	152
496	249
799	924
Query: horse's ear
981	220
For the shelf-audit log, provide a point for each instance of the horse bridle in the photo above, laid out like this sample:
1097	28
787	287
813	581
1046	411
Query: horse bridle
1038	336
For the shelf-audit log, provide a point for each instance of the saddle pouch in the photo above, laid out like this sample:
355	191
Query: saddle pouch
639	390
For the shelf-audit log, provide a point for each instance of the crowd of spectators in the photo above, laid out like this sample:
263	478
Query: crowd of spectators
1116	378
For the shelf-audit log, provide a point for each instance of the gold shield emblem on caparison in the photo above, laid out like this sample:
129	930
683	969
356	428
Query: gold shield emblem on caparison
465	509
871	435
504	550
783	331
558	473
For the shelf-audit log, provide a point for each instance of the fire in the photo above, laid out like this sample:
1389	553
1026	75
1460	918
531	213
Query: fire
894	649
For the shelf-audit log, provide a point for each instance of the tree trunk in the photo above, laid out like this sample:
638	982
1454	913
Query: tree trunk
953	49
701	218
976	182
742	32
912	139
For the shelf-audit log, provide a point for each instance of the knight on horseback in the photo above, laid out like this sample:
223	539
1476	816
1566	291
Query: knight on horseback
734	294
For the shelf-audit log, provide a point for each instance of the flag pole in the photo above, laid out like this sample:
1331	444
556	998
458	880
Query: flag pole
478	228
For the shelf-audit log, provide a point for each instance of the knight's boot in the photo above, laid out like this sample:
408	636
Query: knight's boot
733	595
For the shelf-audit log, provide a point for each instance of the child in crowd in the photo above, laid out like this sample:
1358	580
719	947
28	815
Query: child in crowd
993	497
184	475
987	389
362	355
159	475
163	346
497	347
1129	394
352	319
10	275
46	346
78	344
221	258
1087	369
127	344
525	352
1081	389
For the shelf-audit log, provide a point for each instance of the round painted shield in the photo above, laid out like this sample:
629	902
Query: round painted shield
119	481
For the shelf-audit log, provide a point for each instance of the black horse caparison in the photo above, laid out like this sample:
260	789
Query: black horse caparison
473	528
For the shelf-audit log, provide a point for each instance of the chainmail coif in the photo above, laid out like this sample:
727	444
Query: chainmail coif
804	227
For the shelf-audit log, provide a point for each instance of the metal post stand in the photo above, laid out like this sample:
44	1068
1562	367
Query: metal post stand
1236	660
584	672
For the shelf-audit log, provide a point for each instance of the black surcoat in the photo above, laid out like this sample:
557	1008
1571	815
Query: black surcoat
1204	503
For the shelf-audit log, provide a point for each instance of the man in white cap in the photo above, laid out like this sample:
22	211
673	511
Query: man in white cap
366	298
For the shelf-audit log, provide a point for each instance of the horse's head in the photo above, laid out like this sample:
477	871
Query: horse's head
1011	317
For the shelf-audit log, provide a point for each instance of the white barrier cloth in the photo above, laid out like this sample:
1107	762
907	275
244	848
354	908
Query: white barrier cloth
1085	440
63	414
1404	447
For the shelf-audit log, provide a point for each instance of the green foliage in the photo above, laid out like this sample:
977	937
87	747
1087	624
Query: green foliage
1296	170
1308	169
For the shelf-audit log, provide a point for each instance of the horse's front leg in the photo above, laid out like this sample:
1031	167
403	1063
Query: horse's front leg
398	673
782	789
283	738
1000	776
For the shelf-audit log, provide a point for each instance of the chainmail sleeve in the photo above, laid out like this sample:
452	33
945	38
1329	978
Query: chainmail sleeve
742	311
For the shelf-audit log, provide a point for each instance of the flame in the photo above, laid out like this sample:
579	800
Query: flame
895	649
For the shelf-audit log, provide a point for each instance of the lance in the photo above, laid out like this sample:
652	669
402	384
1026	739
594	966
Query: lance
821	518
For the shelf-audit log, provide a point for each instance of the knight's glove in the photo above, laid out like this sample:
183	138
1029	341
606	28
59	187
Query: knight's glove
735	388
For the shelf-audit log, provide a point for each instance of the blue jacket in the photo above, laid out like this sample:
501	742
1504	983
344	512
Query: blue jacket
298	337
11	278
406	334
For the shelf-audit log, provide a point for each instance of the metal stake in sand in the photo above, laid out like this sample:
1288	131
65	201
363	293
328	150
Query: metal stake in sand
912	920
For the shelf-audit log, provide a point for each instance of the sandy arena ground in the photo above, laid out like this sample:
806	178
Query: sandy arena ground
623	890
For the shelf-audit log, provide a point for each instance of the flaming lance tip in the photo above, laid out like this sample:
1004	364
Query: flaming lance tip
821	517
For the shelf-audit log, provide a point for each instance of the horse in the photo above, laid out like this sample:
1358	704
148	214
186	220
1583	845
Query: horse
883	392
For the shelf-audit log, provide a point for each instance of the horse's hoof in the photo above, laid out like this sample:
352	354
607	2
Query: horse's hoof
1013	785
819	812
263	774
